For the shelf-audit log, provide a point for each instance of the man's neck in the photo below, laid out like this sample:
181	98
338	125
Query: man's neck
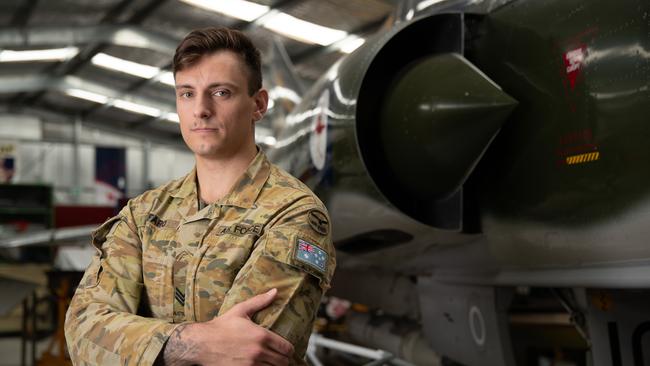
215	177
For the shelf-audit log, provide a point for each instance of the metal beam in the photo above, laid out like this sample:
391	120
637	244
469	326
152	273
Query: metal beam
146	11
121	35
314	51
95	36
115	11
278	6
281	60
23	13
76	160
67	118
129	89
39	83
74	64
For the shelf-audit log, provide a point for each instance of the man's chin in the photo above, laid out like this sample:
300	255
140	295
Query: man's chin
217	151
208	151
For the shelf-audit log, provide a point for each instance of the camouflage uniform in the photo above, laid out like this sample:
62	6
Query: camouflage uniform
162	261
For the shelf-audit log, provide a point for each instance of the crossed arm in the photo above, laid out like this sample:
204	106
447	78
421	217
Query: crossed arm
271	329
229	339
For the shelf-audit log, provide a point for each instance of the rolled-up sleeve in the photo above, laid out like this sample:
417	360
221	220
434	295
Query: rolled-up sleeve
101	326
296	256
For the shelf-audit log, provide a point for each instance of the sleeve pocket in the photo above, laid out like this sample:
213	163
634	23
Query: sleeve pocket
91	277
301	252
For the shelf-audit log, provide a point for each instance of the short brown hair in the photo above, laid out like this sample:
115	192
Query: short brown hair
201	42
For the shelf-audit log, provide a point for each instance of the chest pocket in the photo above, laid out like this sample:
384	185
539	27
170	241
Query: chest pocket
157	265
225	255
179	280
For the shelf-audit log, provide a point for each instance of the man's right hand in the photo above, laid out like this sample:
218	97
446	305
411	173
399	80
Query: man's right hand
230	339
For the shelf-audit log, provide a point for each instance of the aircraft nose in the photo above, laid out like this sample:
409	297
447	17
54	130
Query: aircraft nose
436	122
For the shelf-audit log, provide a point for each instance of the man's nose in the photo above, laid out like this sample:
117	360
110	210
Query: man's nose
202	108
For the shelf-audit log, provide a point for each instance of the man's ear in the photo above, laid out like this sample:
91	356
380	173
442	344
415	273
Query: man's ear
261	103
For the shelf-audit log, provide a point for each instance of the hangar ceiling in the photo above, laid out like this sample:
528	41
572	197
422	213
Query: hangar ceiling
106	62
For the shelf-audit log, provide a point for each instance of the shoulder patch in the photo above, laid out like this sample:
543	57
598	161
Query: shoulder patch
311	254
318	221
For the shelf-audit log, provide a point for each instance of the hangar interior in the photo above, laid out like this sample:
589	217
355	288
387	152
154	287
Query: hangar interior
87	120
481	161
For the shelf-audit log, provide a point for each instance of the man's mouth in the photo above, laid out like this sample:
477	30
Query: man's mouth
204	129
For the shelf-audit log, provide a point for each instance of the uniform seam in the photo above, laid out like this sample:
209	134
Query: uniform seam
288	207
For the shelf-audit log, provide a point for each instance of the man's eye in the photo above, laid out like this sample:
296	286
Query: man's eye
186	94
221	93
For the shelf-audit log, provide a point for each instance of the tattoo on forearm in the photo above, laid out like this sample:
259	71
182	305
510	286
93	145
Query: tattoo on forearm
176	349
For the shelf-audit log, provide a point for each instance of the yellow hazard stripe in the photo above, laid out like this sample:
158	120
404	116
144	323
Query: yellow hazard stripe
582	158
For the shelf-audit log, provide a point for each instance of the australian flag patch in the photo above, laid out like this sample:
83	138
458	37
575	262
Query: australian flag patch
309	253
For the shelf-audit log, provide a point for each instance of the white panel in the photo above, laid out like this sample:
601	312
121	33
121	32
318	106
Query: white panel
52	163
183	163
46	154
166	164
160	167
58	131
59	165
102	138
87	166
20	127
134	172
29	162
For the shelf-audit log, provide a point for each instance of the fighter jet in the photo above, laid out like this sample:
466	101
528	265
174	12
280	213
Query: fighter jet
483	163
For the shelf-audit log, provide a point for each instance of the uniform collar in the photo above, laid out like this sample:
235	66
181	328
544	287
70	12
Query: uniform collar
187	186
244	191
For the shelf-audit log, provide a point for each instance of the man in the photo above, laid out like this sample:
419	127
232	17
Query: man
225	266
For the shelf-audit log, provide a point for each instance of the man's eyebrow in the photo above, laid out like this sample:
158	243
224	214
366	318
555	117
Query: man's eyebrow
213	85
222	83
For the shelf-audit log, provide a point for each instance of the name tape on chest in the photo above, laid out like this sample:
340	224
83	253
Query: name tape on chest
240	229
156	221
311	254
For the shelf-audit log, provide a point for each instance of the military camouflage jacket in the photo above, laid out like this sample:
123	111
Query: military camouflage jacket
162	262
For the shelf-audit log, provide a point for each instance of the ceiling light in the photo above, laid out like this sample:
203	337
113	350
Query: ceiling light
410	14
280	92
301	30
264	135
240	9
54	54
125	66
167	78
268	140
83	94
133	68
136	108
121	104
425	4
172	117
349	43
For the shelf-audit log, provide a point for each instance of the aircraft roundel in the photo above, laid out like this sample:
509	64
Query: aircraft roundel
318	137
